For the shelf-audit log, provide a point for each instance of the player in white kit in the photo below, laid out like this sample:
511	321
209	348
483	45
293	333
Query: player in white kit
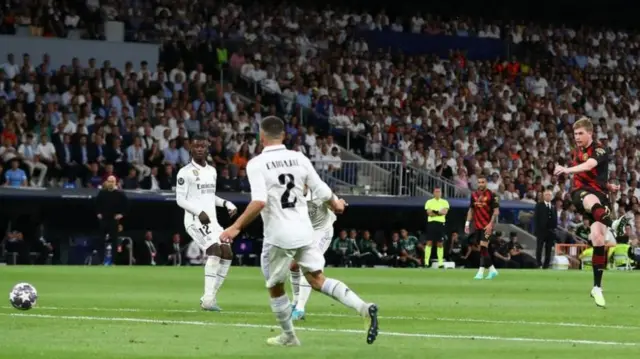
277	178
196	194
322	219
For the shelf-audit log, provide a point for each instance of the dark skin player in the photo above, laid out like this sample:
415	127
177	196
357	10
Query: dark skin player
199	150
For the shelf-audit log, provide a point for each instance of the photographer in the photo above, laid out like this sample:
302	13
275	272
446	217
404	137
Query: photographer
111	204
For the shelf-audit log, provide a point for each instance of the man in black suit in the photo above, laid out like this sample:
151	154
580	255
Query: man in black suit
83	156
546	221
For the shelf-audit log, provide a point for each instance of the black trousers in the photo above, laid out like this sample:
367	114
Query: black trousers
545	242
109	226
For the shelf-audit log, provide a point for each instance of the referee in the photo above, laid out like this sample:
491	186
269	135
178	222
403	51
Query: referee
436	208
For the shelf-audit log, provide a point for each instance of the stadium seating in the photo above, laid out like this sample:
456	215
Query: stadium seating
443	117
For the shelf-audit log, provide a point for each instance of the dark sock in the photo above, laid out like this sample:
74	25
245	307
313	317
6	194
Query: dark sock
485	258
599	261
601	214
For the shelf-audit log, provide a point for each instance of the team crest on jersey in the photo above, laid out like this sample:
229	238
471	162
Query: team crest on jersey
585	156
196	173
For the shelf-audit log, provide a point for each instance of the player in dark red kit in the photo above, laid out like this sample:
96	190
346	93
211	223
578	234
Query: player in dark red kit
483	210
591	186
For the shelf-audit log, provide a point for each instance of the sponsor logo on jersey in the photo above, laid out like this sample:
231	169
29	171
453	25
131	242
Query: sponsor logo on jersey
204	186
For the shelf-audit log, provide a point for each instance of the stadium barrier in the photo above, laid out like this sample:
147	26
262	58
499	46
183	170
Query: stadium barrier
70	223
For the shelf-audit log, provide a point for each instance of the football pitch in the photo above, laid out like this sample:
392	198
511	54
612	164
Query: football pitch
136	312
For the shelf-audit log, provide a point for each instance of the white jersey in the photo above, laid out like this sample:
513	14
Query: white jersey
277	177
321	215
196	192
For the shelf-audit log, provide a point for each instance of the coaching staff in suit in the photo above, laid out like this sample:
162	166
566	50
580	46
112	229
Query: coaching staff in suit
546	222
111	205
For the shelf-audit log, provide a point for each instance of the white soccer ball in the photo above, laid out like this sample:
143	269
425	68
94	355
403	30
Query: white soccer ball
23	296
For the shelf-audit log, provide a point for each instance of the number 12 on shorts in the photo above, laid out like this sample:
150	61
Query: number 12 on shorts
204	230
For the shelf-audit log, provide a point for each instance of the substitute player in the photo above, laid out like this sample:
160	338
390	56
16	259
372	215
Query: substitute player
436	208
196	194
590	186
277	178
322	219
484	210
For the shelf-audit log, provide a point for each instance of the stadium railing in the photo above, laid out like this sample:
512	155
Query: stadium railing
362	177
424	182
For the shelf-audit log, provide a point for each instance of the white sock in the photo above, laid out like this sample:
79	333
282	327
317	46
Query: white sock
305	292
221	274
340	292
281	307
295	285
492	269
481	270
210	275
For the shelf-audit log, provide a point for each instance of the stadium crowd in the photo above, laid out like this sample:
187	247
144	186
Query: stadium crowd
455	117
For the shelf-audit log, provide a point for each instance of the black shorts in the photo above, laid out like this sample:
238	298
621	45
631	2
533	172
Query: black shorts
578	195
479	236
435	231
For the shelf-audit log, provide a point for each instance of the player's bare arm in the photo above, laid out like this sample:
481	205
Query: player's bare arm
249	215
590	164
467	224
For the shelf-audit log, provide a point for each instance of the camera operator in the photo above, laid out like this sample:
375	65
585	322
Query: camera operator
111	204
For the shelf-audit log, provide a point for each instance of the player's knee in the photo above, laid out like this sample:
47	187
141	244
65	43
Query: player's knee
226	252
440	244
214	250
429	243
315	279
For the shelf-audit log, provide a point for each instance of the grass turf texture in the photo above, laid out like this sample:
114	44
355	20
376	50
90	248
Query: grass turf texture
125	312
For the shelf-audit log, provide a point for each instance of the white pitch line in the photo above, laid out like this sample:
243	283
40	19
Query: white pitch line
321	330
337	315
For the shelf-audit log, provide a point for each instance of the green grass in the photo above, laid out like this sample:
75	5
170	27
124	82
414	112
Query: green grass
124	312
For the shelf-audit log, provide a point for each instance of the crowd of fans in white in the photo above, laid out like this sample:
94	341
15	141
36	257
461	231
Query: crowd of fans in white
452	117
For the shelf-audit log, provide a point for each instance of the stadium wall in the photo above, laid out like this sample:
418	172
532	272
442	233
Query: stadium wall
71	213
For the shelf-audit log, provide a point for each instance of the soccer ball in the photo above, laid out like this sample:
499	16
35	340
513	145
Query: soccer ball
23	296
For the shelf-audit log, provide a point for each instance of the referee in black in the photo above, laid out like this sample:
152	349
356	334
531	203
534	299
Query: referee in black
436	208
111	205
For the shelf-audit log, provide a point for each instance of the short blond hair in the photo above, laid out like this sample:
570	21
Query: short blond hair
585	123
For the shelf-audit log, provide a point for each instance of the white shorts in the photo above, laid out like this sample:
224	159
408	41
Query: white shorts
275	262
205	235
322	238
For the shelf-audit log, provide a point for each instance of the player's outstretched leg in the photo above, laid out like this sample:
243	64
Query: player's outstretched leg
303	297
294	275
340	292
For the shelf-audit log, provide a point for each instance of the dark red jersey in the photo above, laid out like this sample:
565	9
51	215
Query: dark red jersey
596	179
483	203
